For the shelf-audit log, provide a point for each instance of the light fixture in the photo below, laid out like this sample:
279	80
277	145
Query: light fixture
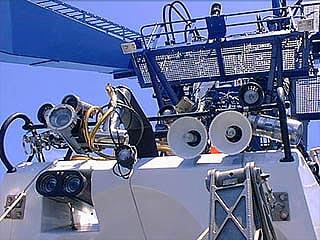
61	117
125	156
75	102
251	95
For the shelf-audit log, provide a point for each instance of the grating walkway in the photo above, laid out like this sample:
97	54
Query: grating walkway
88	18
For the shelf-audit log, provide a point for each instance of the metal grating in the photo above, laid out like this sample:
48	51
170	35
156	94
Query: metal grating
189	65
247	58
313	12
88	18
308	96
198	64
292	54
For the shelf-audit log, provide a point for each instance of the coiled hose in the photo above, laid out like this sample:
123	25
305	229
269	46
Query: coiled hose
3	130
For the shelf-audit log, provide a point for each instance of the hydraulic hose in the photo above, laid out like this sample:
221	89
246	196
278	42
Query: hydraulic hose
3	130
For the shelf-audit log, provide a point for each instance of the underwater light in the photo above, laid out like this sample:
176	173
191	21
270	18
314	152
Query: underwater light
61	117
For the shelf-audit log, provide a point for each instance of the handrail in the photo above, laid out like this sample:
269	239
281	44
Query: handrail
201	20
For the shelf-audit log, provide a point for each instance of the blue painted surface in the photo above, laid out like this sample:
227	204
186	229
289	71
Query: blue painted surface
5	26
29	30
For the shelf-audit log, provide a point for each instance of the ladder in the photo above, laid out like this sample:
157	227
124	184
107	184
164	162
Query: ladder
88	18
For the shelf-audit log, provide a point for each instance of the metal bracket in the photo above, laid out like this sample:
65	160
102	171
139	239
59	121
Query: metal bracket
280	210
17	212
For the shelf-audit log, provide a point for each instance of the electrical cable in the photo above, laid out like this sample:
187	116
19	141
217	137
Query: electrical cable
138	117
165	21
87	115
136	206
104	117
187	20
181	16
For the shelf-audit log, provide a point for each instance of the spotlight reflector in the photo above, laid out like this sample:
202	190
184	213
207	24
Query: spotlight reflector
66	183
230	132
61	117
269	127
187	137
43	111
251	95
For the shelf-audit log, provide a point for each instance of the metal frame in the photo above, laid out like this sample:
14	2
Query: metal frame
88	18
151	61
151	68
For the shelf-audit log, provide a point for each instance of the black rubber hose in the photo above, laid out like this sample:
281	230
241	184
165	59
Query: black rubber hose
3	130
284	126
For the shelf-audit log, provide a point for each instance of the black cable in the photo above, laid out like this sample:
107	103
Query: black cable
170	21
120	173
109	126
3	130
186	19
181	16
127	101
68	155
138	118
165	21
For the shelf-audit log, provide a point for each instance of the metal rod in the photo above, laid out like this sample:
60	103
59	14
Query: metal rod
154	82
171	94
284	126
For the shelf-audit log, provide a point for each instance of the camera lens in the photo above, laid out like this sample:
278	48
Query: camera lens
48	184
73	185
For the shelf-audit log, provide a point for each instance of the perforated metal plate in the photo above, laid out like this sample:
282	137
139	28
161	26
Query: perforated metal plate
239	58
313	12
307	92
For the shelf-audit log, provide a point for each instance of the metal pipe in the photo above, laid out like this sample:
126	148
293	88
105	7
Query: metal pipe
284	126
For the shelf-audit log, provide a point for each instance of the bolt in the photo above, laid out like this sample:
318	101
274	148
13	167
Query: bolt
18	215
284	215
283	196
9	200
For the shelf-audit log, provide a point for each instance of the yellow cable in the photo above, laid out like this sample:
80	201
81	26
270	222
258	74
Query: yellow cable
113	103
87	115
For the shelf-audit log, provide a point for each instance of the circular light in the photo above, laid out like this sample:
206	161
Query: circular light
47	184
73	184
251	95
61	117
71	100
43	111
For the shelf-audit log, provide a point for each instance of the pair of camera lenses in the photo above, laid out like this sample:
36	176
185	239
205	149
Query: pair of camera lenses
63	183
